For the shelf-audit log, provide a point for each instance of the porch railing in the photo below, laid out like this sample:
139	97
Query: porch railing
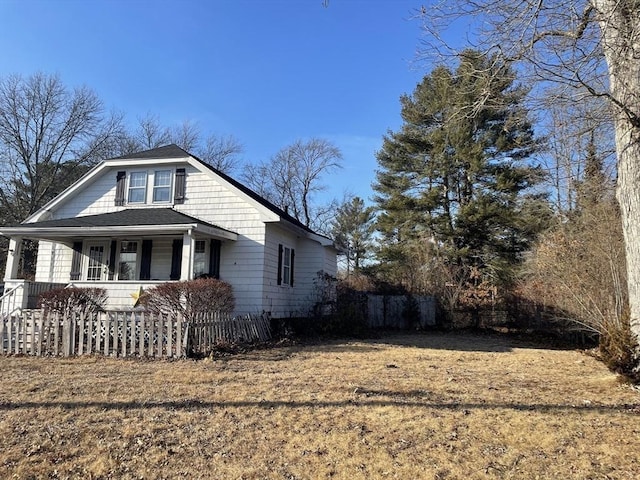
11	301
21	294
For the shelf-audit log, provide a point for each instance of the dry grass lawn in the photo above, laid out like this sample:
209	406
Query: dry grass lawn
430	406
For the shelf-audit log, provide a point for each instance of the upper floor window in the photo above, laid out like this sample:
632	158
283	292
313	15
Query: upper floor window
137	187
162	186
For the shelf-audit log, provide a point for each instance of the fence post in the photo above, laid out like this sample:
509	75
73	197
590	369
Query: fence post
66	335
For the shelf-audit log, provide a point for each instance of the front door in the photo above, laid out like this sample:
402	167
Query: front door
97	269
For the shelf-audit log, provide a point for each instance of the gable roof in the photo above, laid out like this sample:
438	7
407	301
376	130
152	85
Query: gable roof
170	152
167	151
174	151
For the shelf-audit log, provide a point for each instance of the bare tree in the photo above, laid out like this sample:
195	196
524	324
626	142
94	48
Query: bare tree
592	45
571	129
294	176
150	133
222	153
186	135
49	135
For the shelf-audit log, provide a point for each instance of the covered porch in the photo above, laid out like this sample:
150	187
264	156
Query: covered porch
123	252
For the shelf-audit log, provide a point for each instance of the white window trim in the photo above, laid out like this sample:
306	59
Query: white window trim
286	258
172	175
116	267
207	256
150	187
129	187
104	273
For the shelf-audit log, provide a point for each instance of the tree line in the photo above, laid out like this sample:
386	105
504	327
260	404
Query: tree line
562	227
470	199
51	135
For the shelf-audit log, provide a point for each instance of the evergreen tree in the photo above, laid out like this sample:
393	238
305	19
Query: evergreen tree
352	229
454	177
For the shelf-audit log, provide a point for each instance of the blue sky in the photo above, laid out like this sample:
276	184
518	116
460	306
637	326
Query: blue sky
268	72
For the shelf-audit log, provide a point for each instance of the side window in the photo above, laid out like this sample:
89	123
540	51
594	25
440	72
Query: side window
286	266
137	187
128	260
162	186
286	256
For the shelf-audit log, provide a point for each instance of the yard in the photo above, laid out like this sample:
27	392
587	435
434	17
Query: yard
430	406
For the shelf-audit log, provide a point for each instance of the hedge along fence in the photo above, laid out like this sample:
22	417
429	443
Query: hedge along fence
126	333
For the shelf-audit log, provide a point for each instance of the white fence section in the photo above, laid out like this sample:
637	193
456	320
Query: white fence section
125	333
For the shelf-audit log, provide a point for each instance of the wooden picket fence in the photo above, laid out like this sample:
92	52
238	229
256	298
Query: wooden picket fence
125	333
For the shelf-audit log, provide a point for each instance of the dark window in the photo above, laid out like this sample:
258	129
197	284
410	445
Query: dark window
145	260
176	259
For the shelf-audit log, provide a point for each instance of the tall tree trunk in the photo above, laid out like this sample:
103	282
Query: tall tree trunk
628	193
620	24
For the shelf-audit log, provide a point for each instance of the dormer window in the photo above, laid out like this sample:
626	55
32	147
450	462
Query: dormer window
162	186
137	187
131	187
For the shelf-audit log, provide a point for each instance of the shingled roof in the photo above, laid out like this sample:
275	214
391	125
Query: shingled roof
124	218
167	151
174	151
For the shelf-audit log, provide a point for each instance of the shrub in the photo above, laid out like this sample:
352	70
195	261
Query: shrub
190	298
617	349
73	300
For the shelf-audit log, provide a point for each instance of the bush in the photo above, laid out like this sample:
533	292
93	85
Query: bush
190	298
73	300
617	349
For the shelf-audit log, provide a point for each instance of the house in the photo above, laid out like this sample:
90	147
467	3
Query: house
164	215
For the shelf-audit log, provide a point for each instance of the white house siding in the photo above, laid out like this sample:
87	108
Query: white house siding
161	250
99	196
249	264
94	199
241	261
280	300
54	262
120	295
330	261
308	269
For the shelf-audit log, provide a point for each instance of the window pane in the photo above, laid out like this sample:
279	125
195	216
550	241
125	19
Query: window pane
138	179
162	178
162	186
128	259
137	187
94	269
161	194
286	266
200	258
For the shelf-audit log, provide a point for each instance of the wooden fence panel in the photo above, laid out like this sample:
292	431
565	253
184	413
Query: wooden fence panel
388	311
126	333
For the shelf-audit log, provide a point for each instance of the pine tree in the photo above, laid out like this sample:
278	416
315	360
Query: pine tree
352	229
454	177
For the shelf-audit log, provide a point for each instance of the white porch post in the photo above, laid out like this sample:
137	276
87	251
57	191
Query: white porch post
13	258
186	271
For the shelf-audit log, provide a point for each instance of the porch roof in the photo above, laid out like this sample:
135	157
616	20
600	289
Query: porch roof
134	221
